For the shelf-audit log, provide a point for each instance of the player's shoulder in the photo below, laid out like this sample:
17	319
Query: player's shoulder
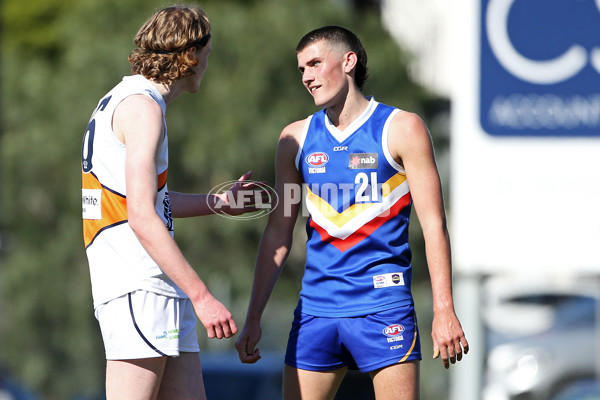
408	124
290	138
138	107
408	119
408	135
293	130
141	102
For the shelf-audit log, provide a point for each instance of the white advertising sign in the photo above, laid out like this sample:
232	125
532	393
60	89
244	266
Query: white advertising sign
525	144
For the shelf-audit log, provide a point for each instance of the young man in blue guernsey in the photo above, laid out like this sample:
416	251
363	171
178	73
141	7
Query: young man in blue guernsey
357	159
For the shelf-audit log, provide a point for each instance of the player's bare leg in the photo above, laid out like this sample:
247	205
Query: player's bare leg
397	382
134	379
299	384
182	378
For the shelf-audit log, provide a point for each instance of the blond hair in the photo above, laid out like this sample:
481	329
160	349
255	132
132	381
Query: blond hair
161	43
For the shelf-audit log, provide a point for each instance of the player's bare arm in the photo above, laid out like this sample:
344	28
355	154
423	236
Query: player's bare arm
244	192
275	243
138	121
410	143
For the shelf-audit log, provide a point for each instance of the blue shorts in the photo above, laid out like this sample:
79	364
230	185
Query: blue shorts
367	342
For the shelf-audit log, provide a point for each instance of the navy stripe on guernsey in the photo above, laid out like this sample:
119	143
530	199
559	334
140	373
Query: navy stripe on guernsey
358	260
105	228
139	331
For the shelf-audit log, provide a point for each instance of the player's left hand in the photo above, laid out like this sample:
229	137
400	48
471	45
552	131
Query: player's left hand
449	340
244	196
247	342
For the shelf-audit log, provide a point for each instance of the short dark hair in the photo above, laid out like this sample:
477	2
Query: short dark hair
338	34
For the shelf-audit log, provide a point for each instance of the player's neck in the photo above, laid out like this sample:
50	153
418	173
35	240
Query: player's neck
349	110
168	92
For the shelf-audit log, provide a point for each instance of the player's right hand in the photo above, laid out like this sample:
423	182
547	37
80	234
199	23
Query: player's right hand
215	317
246	344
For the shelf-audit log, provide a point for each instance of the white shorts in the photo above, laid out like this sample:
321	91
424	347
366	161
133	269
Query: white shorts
143	324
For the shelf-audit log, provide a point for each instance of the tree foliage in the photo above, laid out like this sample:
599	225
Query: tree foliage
59	57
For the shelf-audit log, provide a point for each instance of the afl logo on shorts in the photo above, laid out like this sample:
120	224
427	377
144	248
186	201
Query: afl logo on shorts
317	159
393	330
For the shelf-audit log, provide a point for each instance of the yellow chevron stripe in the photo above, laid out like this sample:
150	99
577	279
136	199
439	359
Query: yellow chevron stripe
392	183
340	219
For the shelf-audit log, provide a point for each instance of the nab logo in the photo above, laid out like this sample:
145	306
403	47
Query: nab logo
393	330
317	159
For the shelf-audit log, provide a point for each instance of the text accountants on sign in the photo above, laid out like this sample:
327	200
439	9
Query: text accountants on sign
540	67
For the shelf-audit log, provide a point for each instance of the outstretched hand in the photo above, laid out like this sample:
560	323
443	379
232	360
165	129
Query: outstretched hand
244	196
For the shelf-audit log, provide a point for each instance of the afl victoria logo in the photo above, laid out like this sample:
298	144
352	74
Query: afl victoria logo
393	330
317	159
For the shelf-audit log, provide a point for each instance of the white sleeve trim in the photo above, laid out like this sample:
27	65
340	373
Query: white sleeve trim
385	144
301	142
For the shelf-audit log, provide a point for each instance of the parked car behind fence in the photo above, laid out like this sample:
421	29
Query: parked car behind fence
541	337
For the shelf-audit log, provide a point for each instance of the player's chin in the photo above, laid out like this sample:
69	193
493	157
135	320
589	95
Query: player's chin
194	87
321	102
318	103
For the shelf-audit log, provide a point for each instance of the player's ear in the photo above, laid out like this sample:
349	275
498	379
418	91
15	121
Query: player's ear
190	53
350	60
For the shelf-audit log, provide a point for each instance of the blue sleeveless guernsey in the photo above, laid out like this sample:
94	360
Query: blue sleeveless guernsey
357	252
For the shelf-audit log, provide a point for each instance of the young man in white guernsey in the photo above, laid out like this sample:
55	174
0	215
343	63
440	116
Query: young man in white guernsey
363	165
146	294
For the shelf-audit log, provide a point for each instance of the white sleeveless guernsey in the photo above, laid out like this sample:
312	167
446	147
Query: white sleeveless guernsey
118	262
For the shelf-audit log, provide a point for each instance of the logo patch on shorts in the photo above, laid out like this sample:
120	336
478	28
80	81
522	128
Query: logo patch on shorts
170	334
393	330
394	333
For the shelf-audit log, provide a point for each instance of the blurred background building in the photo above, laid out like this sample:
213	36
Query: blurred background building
523	78
424	28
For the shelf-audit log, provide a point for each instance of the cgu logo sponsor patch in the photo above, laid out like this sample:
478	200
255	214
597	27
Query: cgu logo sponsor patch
317	159
379	280
388	280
